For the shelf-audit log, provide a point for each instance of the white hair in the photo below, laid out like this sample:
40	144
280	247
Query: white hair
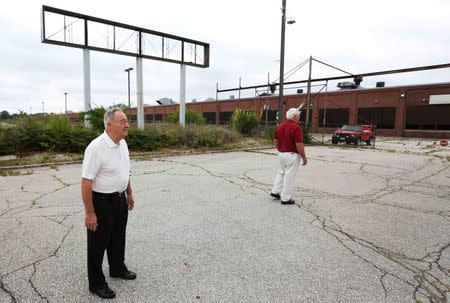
109	115
291	113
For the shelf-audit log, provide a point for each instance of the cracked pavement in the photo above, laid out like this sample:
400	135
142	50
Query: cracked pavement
370	225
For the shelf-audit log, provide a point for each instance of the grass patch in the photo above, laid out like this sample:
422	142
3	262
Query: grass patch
6	173
54	166
42	158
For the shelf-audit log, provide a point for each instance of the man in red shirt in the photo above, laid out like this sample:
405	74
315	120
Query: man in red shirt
289	142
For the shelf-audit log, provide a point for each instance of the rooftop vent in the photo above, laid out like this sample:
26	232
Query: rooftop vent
358	79
264	94
165	101
299	91
347	85
231	97
380	84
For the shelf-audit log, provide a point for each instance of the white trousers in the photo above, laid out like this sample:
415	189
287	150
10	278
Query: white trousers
287	171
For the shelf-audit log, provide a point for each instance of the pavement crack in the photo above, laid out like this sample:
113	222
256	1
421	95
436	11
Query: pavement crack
6	232
52	254
150	172
382	283
61	181
30	280
34	265
426	283
34	201
216	175
7	291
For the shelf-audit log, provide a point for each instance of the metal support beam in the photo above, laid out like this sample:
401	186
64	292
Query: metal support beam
128	70
379	73
239	88
139	93
182	94
280	96
65	103
87	85
308	98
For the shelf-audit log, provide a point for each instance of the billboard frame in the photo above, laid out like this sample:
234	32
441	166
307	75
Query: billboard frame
140	31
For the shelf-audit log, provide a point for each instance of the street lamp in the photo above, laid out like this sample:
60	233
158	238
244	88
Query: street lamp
65	102
43	107
283	30
128	71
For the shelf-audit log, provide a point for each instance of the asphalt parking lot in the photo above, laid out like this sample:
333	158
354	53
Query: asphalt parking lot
369	225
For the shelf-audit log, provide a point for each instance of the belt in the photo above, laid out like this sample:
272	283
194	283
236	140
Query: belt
110	195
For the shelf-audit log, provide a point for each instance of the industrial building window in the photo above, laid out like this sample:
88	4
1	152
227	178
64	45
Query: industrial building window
158	117
132	118
225	117
149	118
382	117
432	117
335	117
271	115
210	117
303	116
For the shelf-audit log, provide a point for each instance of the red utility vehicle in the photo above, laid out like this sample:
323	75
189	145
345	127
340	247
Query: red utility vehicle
354	133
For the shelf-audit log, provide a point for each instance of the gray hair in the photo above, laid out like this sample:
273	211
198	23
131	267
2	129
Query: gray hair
291	113
109	115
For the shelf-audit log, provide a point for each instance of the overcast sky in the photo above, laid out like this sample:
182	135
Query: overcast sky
244	36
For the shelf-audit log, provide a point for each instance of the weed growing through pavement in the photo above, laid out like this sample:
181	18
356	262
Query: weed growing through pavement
6	173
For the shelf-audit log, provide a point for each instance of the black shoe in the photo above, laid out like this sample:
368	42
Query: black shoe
291	201
127	275
276	196
105	293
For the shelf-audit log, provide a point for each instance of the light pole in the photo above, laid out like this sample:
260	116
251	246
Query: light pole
43	108
65	102
129	102
283	30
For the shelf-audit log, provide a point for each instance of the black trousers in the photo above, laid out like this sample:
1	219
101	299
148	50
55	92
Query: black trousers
112	216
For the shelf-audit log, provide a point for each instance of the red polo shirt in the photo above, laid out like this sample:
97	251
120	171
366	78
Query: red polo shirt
287	134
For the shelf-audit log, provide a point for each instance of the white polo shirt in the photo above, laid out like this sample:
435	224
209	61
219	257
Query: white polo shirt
107	164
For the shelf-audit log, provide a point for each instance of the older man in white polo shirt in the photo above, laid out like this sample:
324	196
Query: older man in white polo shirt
107	196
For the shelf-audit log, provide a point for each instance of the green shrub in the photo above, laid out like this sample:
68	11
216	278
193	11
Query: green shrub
143	139
8	140
170	135
49	133
210	136
54	133
95	117
244	121
269	133
306	136
57	133
30	134
80	137
191	117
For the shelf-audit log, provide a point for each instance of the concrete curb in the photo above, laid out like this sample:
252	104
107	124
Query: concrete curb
138	157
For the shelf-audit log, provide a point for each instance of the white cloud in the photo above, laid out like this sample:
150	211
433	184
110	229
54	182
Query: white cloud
245	42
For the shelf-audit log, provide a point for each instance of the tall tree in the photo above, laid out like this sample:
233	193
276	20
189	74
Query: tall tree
4	115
